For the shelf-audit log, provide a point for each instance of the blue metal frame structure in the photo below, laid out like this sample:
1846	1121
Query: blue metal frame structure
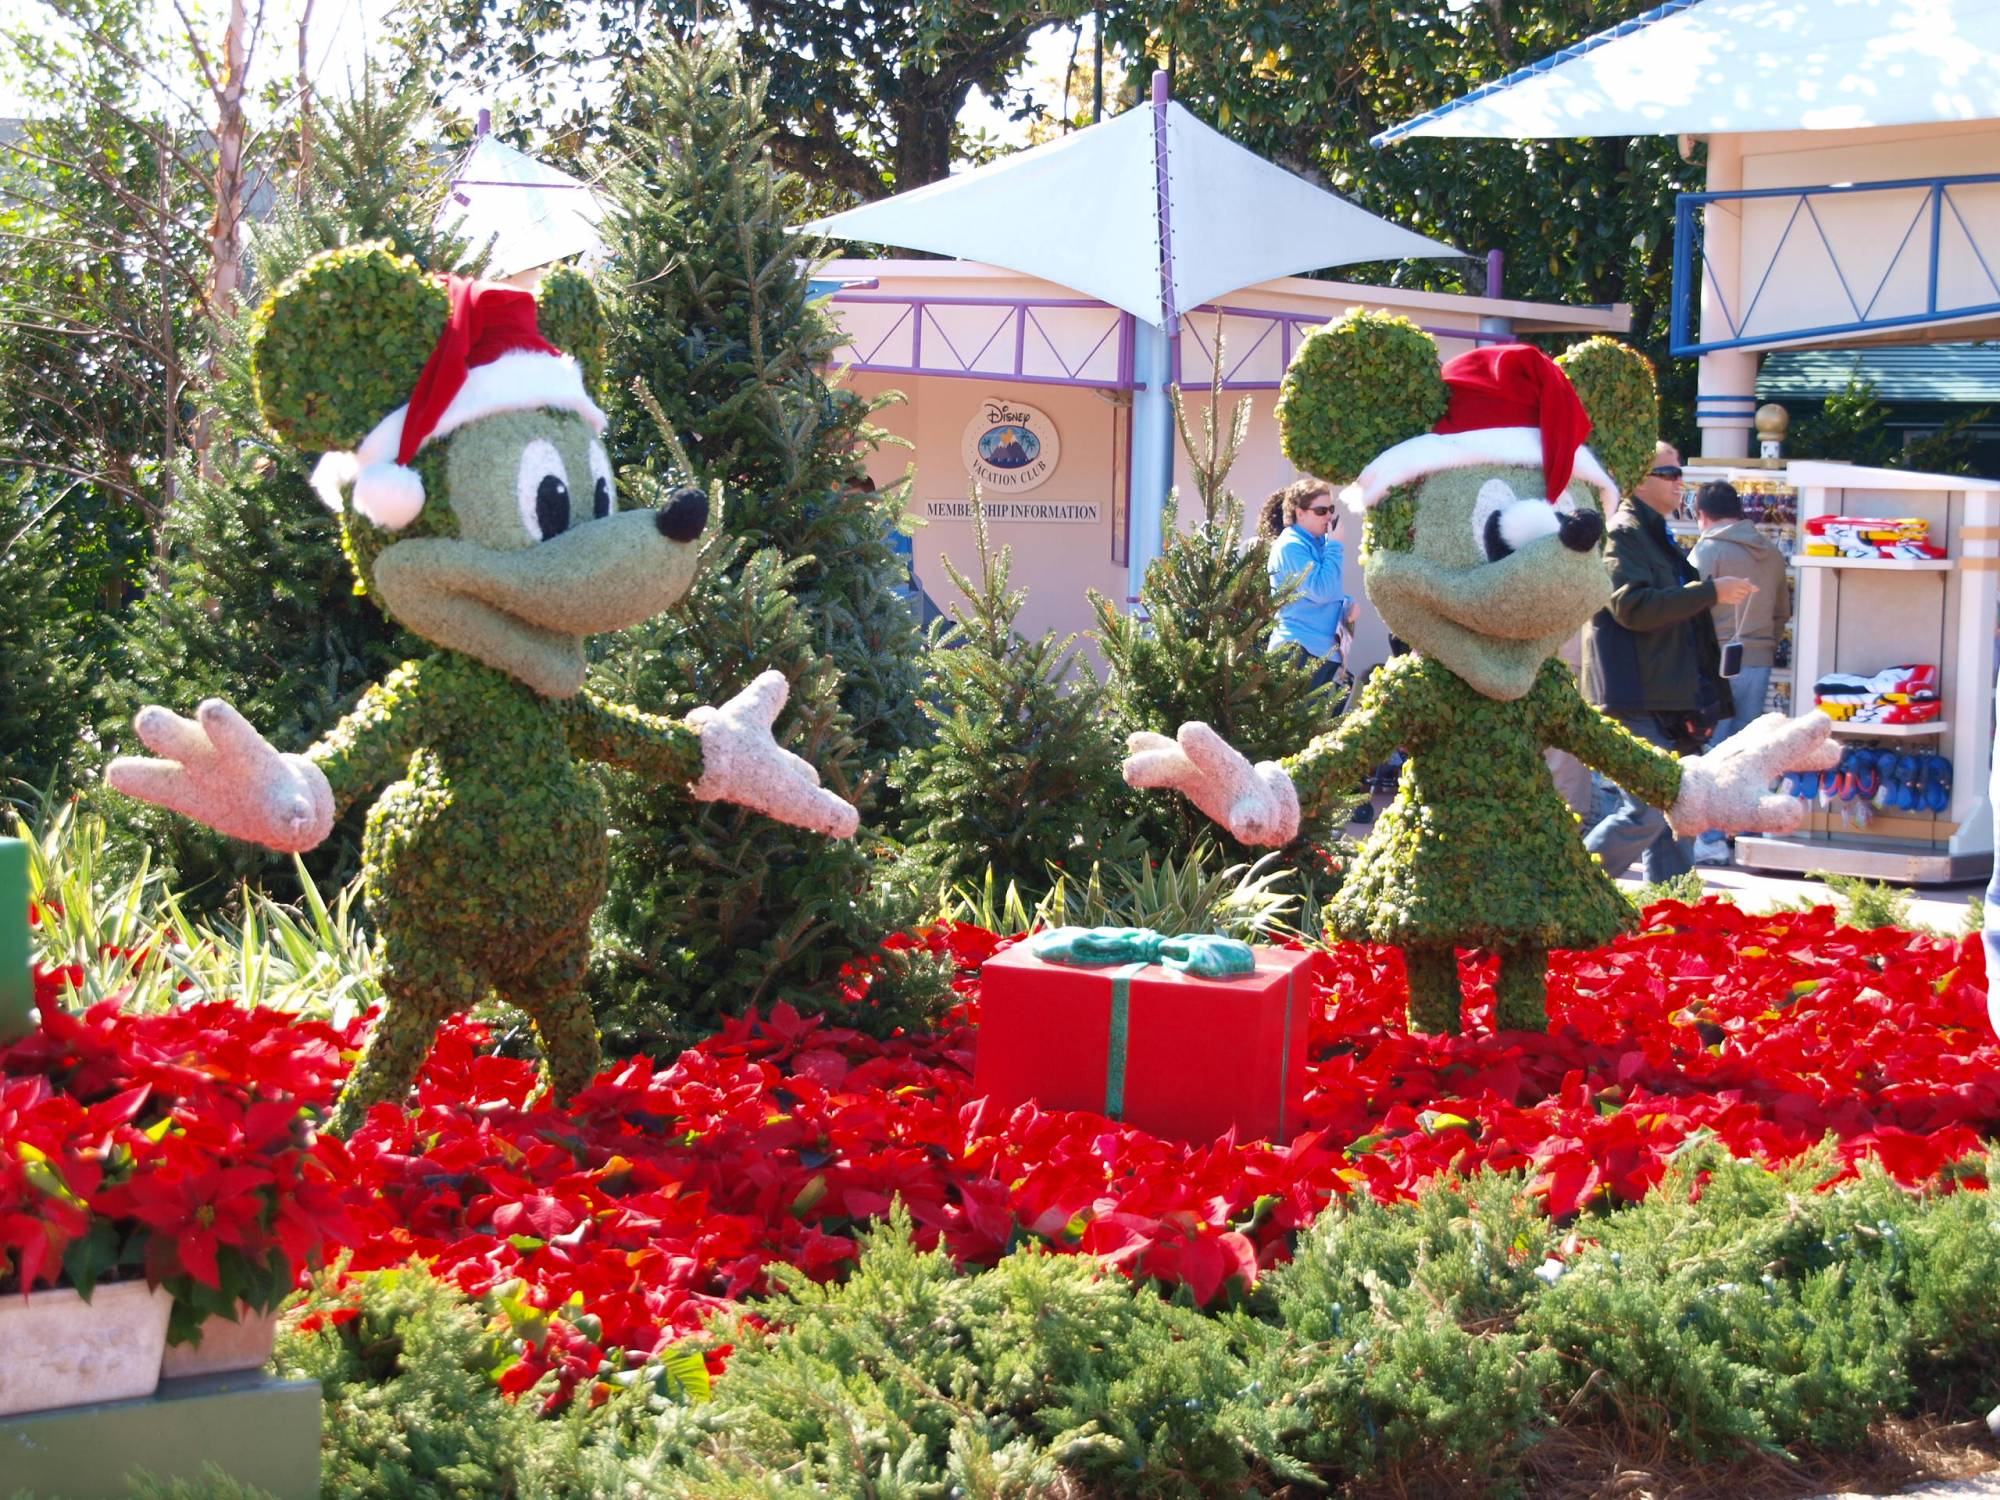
1690	258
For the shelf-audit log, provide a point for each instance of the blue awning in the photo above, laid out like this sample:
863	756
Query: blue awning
1942	374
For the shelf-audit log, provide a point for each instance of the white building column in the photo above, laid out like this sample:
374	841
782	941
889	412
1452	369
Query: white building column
1725	404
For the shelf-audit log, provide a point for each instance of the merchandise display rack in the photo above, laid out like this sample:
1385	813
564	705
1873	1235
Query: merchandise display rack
1862	615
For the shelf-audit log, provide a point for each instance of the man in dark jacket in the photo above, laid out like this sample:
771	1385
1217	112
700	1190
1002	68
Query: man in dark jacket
1649	660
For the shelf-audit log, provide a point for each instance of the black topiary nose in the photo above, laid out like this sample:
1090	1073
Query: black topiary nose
682	517
1579	529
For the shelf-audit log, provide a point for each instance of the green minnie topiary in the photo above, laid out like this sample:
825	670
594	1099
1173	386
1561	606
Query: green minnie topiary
1482	549
484	517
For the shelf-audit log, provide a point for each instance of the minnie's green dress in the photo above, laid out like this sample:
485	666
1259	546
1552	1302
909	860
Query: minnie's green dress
1478	850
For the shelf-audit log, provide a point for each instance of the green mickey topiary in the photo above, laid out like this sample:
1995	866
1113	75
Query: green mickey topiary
1363	383
1482	549
481	512
1615	383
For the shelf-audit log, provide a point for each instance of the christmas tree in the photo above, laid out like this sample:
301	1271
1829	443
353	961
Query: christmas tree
1022	773
714	909
47	647
255	601
712	312
1195	648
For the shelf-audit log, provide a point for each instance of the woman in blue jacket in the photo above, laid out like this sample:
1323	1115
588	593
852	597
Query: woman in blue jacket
1301	519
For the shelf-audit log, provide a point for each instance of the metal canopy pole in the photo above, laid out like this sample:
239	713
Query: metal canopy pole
1152	368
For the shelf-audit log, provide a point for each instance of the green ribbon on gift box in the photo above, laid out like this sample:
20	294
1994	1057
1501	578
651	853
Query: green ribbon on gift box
1204	955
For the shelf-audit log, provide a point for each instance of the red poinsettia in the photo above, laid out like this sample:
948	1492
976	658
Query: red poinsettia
178	1146
606	1232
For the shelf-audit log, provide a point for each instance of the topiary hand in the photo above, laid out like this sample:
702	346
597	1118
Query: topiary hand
1257	804
1729	787
741	763
221	772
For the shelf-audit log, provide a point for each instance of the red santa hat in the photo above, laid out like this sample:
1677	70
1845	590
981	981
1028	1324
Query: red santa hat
490	358
1510	404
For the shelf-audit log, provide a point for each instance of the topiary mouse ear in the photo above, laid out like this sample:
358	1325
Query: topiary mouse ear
1357	387
572	318
340	345
1615	383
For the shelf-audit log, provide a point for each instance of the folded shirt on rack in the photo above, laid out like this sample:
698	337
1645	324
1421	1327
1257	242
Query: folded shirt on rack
1906	694
1910	680
1880	712
1870	537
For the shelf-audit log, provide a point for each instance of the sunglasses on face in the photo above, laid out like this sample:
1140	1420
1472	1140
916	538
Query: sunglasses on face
1315	510
1666	471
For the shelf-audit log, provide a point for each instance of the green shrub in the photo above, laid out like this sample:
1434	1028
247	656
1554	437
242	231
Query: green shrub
1868	903
47	642
913	1377
410	1400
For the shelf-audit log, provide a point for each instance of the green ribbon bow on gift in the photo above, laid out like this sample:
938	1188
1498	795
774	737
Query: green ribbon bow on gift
1203	955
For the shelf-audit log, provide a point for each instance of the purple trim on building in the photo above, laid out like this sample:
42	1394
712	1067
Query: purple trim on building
923	301
1022	312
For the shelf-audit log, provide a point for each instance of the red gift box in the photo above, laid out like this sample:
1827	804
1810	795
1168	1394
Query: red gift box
1172	1054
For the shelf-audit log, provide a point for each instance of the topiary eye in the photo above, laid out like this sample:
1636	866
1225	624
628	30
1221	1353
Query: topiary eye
543	490
603	493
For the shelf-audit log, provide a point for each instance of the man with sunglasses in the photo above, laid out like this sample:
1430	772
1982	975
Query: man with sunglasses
1301	519
1651	660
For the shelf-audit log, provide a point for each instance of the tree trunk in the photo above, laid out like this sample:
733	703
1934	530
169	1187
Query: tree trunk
225	231
926	113
302	184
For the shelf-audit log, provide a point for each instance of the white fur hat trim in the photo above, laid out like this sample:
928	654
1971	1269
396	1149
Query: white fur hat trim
1431	452
391	494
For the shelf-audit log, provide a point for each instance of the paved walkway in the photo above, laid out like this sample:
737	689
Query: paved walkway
1985	1487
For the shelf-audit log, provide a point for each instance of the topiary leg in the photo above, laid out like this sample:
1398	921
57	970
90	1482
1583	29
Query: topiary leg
1435	996
553	998
1522	991
414	1006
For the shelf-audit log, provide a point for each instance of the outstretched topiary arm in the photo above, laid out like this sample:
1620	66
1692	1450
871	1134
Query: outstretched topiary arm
721	754
372	746
1338	759
662	750
1569	723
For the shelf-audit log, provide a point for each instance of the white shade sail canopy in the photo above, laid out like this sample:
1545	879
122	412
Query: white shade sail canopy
1084	212
530	213
1711	67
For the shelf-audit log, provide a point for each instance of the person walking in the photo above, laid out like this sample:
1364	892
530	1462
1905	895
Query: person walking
1733	546
1650	659
1301	520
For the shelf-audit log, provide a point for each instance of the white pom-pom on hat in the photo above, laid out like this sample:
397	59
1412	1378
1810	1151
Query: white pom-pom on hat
389	494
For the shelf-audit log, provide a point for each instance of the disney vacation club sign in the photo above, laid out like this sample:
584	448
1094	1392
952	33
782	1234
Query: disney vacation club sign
1010	448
